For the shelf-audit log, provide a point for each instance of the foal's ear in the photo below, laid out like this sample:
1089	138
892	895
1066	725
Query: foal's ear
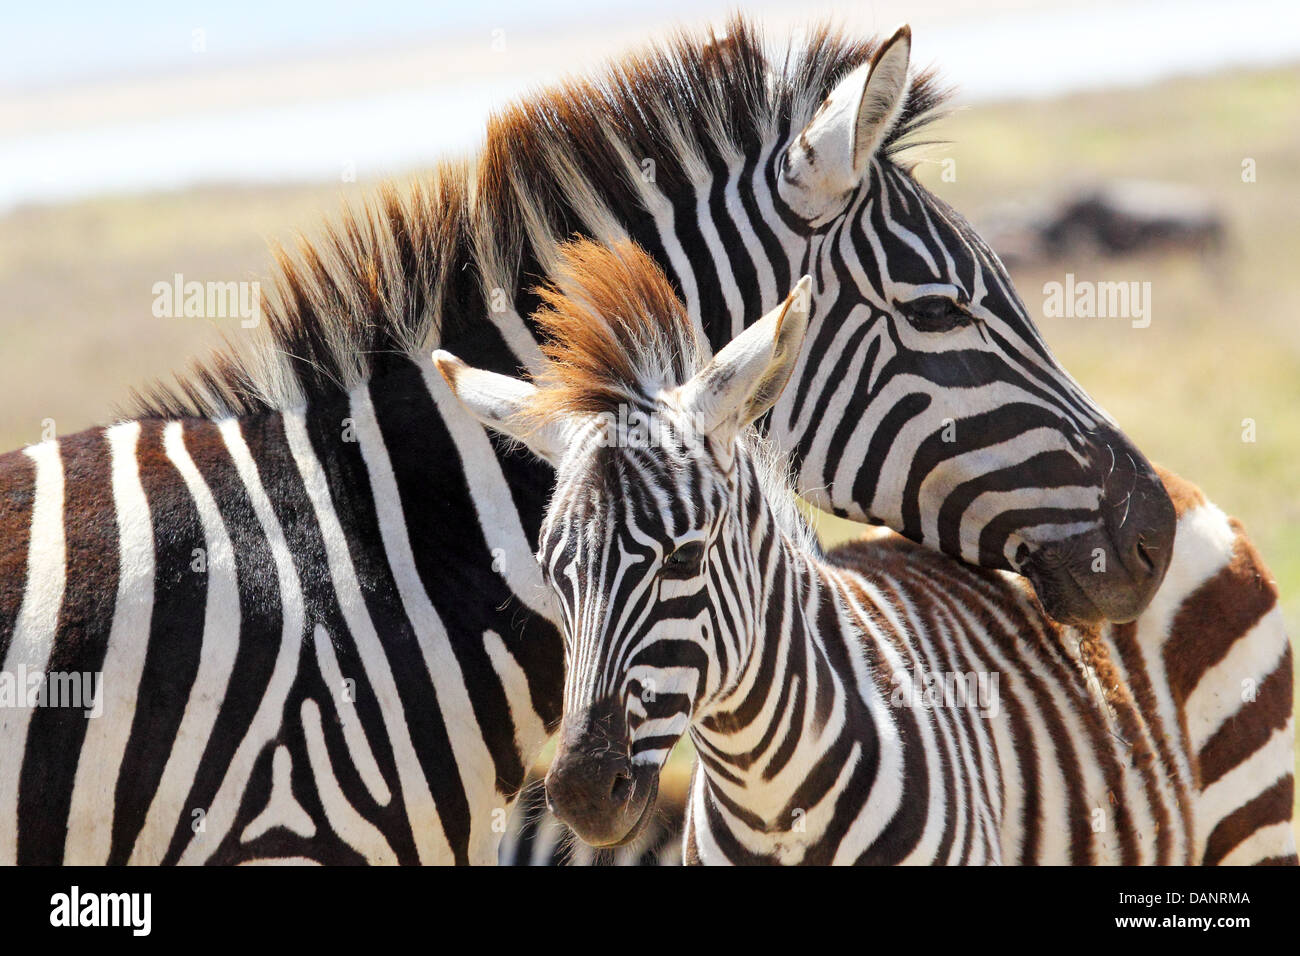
501	402
828	159
746	378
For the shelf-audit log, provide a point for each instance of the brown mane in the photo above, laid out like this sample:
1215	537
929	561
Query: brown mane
400	273
615	330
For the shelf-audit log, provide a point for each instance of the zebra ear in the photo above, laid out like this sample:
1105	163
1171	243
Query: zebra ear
746	378
501	402
825	163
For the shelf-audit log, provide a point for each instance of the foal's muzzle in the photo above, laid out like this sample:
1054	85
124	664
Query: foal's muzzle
593	786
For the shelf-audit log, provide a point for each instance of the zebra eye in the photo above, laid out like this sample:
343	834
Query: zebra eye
935	313
685	560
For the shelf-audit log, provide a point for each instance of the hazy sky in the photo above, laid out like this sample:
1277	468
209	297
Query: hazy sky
54	42
100	98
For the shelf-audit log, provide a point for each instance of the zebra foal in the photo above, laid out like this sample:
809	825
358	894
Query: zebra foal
694	598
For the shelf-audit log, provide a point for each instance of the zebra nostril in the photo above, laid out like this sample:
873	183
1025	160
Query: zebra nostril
621	789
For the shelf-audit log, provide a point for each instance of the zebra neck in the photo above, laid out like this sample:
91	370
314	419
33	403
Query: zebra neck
791	711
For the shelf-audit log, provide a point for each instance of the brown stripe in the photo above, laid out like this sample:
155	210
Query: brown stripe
1182	493
890	577
1215	616
1271	806
954	659
1139	679
1249	728
1095	659
17	496
981	591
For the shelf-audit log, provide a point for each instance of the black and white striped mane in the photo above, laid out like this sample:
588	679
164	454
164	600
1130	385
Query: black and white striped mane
395	275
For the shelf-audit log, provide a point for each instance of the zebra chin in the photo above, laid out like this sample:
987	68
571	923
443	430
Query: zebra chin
593	785
1112	570
1096	576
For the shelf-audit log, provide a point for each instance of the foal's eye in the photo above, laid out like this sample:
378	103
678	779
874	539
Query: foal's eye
685	560
935	313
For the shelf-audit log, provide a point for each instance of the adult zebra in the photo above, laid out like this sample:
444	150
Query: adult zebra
815	689
271	564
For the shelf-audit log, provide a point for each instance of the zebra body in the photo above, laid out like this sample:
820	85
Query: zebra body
1210	664
1045	770
694	599
1221	723
265	599
399	539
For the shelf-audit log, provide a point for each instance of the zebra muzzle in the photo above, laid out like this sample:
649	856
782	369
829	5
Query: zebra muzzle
1112	571
593	785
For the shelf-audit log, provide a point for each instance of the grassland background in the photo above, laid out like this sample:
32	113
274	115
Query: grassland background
77	329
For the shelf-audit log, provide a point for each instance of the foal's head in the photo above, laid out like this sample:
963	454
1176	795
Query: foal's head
662	510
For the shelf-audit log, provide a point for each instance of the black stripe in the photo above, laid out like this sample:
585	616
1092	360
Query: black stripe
55	734
175	639
260	627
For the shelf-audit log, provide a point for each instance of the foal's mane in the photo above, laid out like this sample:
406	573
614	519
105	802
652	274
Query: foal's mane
398	274
616	335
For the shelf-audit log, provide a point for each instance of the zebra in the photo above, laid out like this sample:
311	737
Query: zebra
1228	696
306	578
1211	666
694	598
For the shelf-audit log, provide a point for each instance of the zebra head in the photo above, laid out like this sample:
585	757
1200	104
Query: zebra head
927	400
648	542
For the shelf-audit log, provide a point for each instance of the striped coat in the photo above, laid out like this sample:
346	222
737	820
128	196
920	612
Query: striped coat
1210	678
269	566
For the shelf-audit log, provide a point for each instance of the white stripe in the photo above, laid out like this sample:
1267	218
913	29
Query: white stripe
699	826
767	291
354	735
476	769
721	263
494	503
90	817
35	628
282	808
269	717
1222	690
1202	546
352	828
1244	782
431	844
530	731
666	227
221	619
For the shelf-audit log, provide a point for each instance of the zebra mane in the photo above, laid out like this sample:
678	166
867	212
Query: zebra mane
617	335
616	332
581	157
